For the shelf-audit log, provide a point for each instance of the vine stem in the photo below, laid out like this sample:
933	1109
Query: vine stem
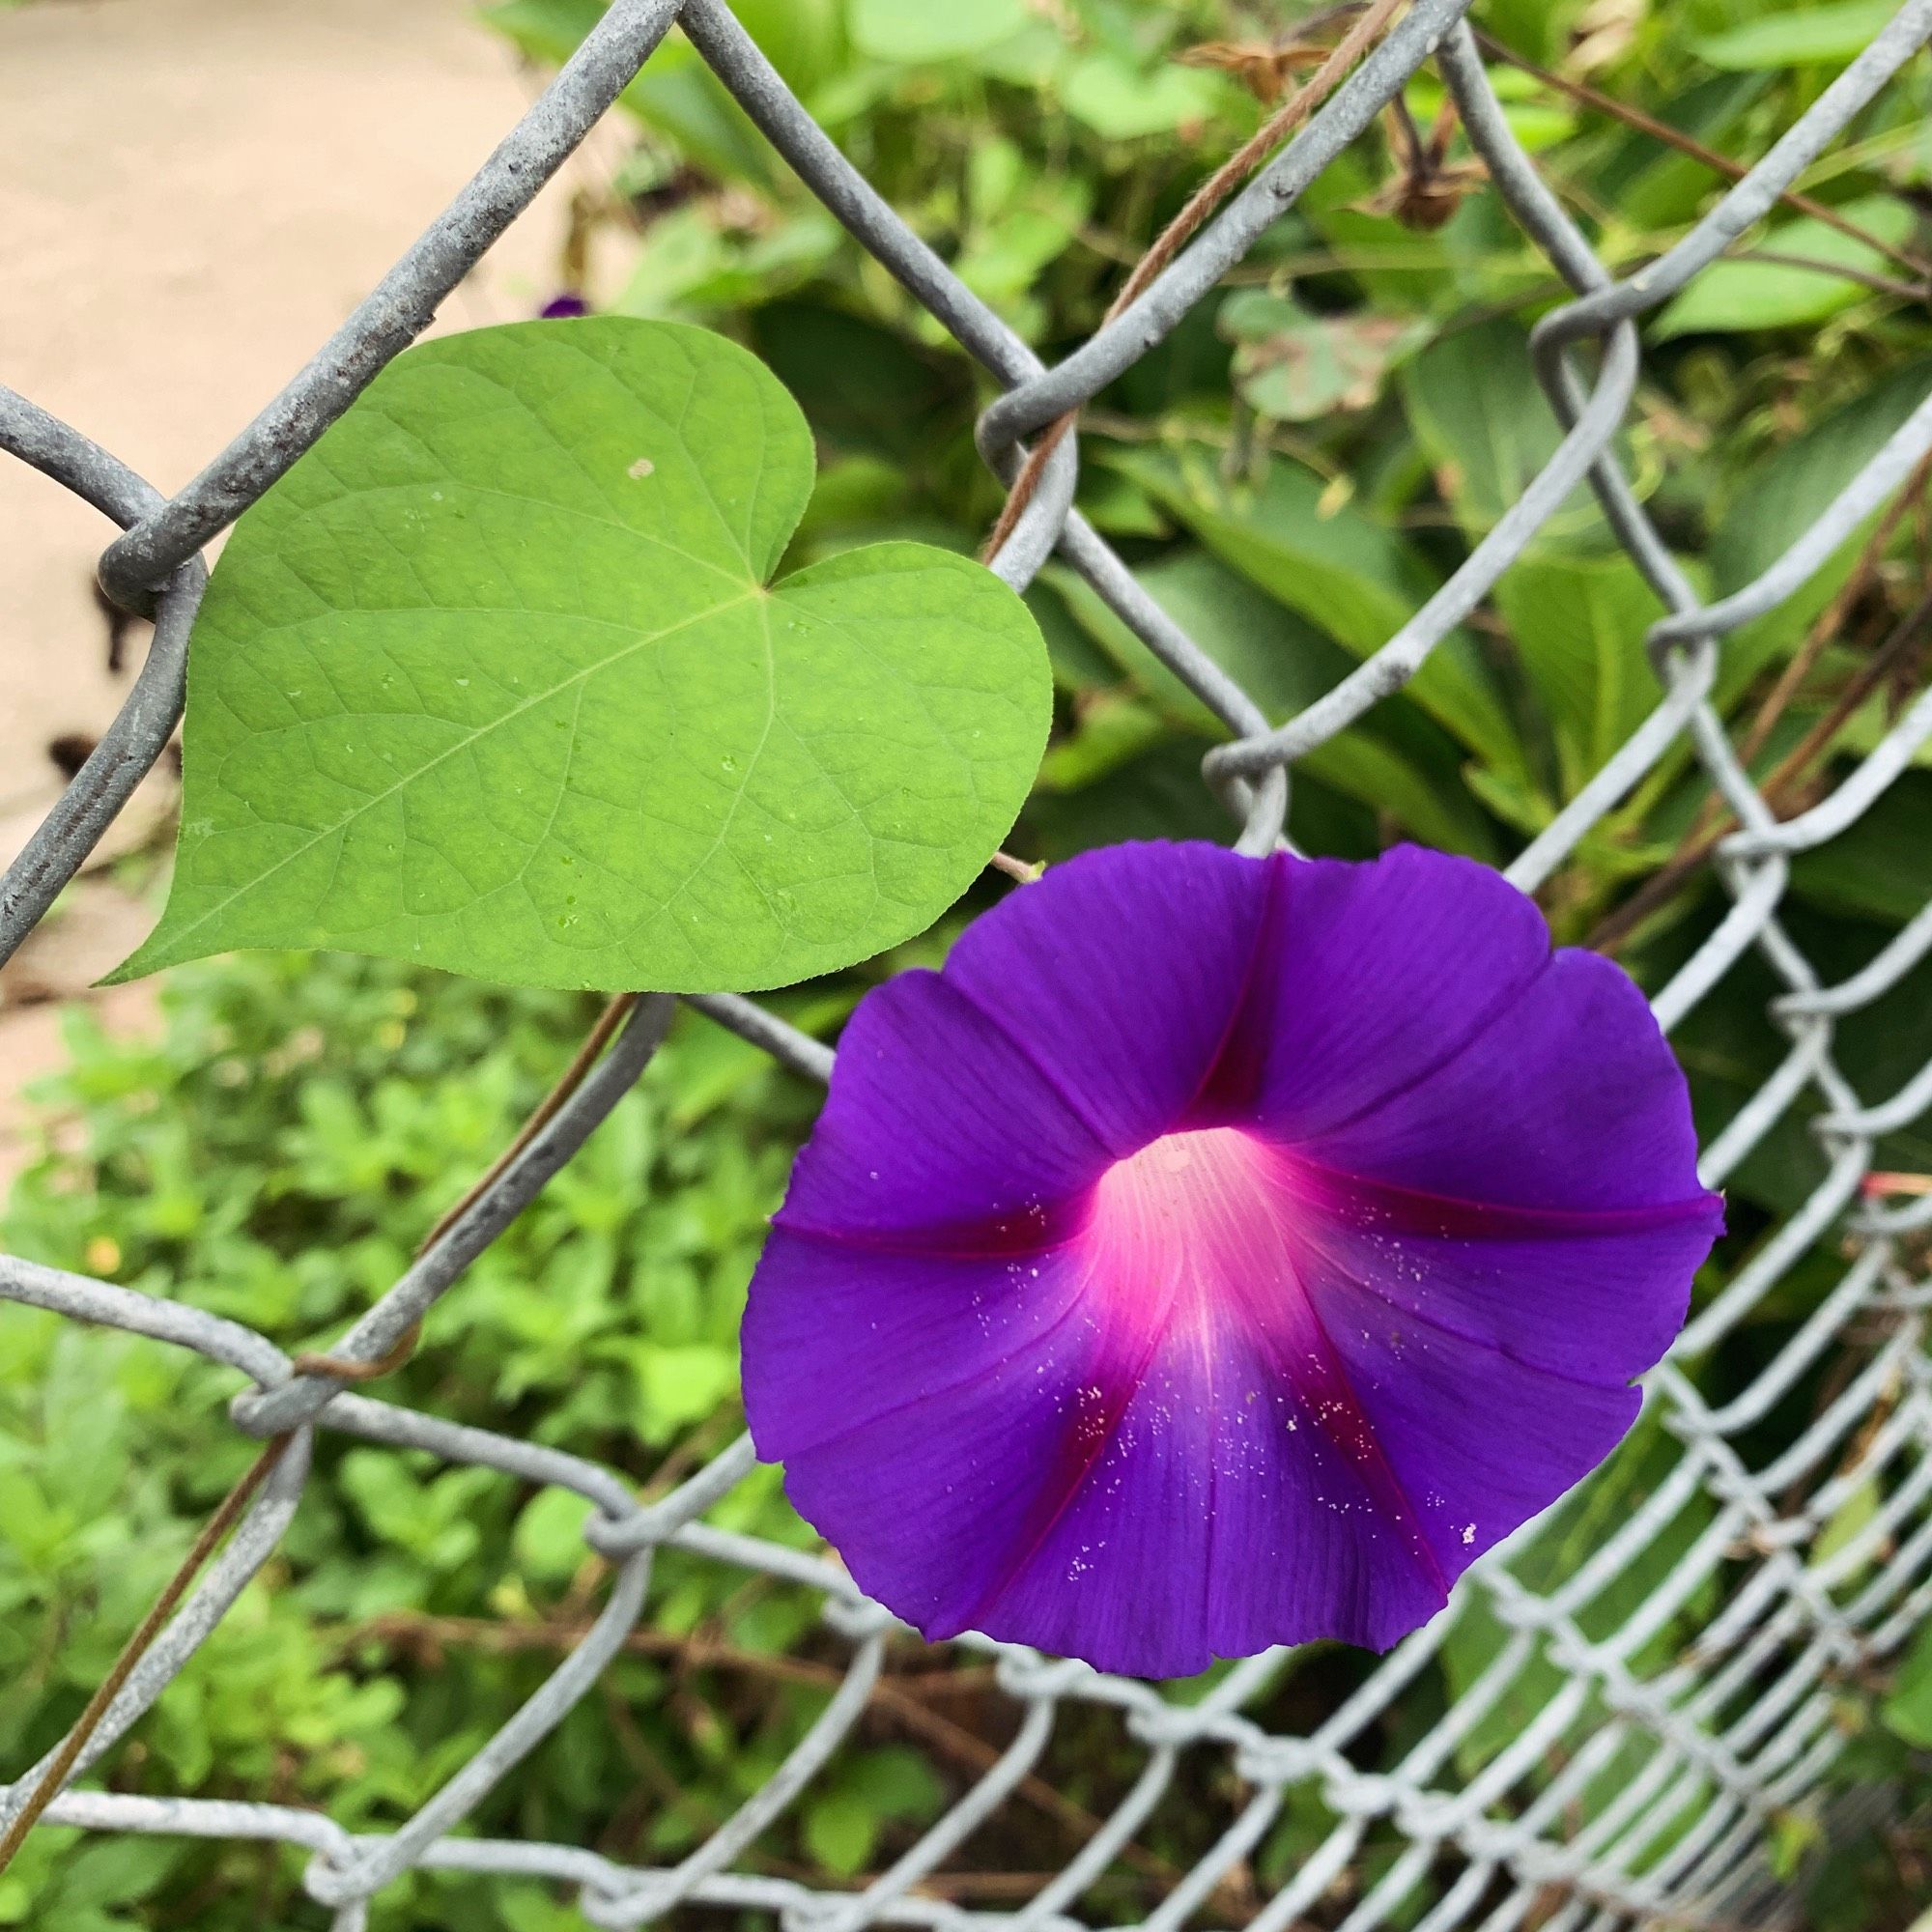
615	1011
229	1512
1621	924
1721	165
212	1534
1179	232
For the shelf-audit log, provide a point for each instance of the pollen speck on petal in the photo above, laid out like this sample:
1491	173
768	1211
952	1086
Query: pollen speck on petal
1221	1251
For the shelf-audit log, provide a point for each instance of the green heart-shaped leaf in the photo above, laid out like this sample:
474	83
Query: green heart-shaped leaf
492	679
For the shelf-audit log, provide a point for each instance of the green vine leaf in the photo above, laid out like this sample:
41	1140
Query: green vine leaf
493	680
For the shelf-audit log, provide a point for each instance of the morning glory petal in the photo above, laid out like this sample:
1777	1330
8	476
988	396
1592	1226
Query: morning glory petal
1221	1251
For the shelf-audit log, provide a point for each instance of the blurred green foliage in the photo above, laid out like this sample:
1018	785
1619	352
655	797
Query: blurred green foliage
1301	463
274	1156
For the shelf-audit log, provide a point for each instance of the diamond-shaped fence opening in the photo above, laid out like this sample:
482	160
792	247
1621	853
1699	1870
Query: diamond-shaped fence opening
1596	1771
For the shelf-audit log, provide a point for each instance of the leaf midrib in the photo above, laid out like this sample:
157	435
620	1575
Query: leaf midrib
463	744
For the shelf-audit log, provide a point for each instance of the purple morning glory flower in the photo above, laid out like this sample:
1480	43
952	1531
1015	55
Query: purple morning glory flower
566	305
1221	1251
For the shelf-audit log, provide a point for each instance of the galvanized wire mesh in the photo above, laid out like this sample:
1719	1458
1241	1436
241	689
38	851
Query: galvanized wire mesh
1713	1742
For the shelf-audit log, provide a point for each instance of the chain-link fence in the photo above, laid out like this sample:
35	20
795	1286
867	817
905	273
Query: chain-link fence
1706	1745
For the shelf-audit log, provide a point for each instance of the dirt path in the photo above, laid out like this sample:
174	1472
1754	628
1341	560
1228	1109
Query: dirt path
192	194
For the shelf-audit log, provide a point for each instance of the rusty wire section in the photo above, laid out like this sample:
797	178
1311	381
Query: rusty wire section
1708	1745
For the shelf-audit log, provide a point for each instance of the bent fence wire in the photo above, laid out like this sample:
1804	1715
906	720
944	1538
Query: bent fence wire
1706	1747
